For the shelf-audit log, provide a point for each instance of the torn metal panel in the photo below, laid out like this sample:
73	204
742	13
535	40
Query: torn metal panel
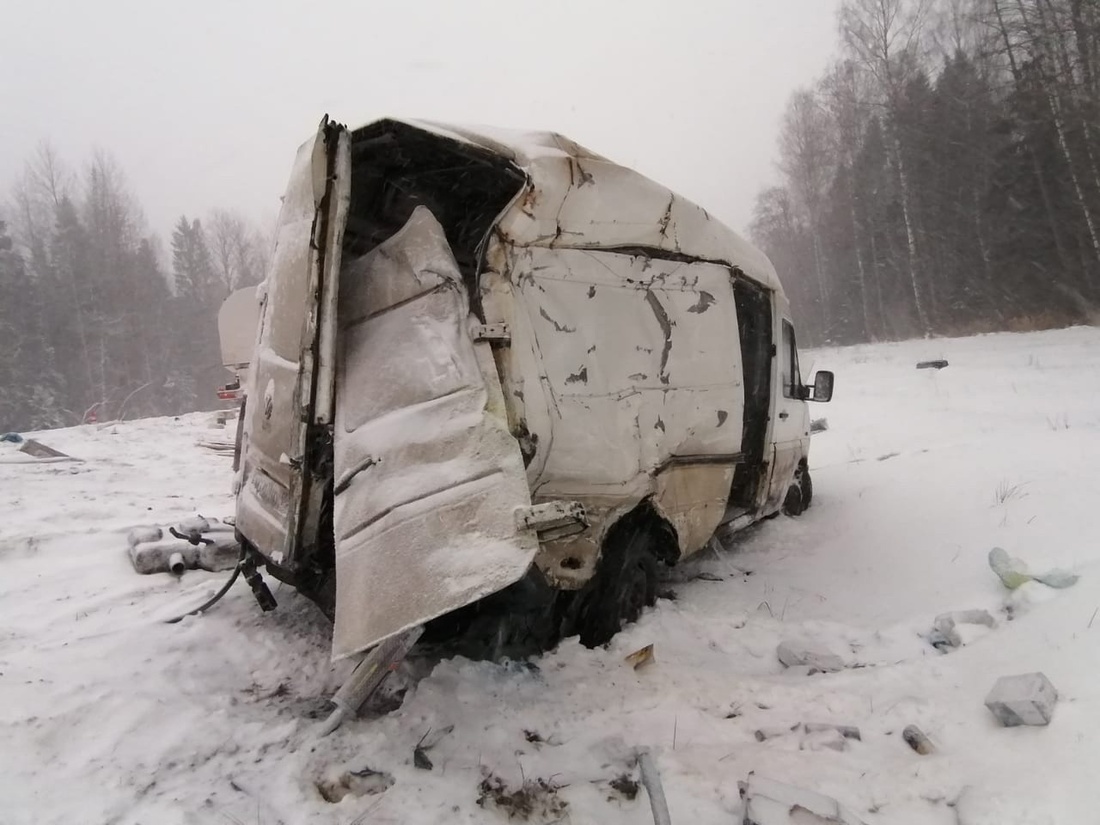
427	474
566	203
283	380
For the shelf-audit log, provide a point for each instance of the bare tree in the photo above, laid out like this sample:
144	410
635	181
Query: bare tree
884	36
806	158
238	249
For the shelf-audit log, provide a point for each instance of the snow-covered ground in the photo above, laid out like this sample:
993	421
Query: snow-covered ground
108	715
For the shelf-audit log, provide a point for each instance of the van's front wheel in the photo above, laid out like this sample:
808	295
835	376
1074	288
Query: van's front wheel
799	494
807	485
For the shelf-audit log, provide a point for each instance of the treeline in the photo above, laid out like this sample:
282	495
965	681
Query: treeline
98	320
943	177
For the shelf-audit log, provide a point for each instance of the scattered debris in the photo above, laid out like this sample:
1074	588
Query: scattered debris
1027	699
365	782
827	739
1013	572
819	425
814	735
533	736
30	451
534	798
39	450
938	364
764	734
704	576
945	629
847	731
208	544
767	802
420	752
640	658
218	445
421	760
368	676
793	653
625	786
914	737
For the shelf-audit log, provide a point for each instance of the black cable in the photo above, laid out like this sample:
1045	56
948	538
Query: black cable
213	600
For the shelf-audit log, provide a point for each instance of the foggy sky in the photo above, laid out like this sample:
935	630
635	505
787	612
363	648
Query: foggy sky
204	103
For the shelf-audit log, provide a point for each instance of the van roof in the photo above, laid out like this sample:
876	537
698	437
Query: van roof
572	192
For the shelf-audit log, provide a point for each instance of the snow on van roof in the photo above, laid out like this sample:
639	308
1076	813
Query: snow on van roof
579	199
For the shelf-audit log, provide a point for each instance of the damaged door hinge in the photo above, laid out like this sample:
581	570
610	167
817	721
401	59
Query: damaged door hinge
553	520
493	333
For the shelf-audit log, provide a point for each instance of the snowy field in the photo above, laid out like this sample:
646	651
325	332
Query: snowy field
108	715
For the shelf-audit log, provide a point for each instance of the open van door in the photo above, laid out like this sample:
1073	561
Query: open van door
288	415
791	423
432	508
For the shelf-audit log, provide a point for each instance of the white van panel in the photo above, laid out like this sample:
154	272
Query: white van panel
427	477
641	365
290	346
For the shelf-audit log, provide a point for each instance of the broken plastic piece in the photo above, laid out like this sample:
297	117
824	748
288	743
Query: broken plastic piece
793	653
767	802
1013	572
945	631
641	657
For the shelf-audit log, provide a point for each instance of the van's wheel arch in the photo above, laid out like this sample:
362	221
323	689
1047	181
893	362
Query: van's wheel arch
626	578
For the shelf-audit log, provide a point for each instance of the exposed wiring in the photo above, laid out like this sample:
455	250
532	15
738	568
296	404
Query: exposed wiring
213	599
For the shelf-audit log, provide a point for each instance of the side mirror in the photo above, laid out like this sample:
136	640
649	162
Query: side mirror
823	386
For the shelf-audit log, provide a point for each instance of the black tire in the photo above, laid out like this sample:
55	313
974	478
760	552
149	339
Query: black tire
792	504
626	584
807	485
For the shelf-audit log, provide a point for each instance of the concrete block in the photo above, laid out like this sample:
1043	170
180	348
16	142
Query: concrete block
1027	699
793	653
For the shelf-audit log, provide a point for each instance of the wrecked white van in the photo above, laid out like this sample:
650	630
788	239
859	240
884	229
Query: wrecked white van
499	379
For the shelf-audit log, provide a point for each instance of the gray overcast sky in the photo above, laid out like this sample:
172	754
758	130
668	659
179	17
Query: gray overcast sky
204	103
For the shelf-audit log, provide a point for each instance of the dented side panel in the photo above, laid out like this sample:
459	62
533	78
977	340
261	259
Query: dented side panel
428	479
637	364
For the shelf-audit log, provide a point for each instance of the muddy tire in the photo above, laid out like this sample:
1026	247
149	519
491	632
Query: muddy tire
807	485
625	585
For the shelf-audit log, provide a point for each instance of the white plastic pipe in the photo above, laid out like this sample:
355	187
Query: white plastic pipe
368	677
652	781
176	564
